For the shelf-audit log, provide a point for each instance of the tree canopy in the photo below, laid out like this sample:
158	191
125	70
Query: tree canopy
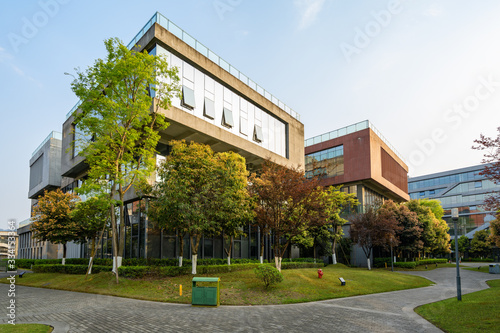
491	148
288	204
119	122
201	193
53	220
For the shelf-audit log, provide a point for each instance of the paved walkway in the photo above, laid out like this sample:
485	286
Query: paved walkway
385	312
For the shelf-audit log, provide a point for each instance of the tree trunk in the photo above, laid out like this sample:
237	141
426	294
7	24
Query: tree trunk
64	254
334	254
195	242
277	261
228	251
114	238
261	246
121	233
181	247
368	262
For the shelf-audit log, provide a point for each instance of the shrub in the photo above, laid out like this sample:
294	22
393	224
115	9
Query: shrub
409	264
432	261
69	269
268	274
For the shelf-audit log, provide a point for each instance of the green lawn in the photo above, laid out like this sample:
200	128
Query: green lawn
238	288
477	312
25	328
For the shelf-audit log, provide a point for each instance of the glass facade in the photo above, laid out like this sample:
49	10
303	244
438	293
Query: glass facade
215	103
325	163
464	189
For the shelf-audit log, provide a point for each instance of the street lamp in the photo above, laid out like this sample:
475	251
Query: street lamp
454	216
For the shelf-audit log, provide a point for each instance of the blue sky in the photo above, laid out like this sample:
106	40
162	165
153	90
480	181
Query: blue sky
426	73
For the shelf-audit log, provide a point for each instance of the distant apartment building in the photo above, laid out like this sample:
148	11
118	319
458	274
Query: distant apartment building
4	244
464	189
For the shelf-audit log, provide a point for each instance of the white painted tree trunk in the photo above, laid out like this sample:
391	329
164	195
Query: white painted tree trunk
90	265
261	259
368	262
180	261
114	265
64	261
277	261
119	261
194	257
228	260
334	259
394	259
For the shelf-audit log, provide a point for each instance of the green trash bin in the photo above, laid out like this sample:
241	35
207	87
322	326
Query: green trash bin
203	295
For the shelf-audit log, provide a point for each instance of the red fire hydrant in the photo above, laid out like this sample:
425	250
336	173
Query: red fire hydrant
320	273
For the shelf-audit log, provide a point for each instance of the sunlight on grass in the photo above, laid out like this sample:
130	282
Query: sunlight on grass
238	288
25	328
477	312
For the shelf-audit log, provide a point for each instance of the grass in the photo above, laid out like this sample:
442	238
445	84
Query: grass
238	288
477	312
482	268
430	267
25	328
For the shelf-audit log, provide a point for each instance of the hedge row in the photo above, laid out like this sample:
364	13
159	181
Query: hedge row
380	262
69	269
480	259
159	271
26	263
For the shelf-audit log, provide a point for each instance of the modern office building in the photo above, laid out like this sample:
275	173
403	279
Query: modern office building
221	107
464	189
360	159
45	175
4	244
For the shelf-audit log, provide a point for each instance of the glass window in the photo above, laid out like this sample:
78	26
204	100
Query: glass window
432	192
257	133
422	193
243	126
209	108
478	184
188	97
227	118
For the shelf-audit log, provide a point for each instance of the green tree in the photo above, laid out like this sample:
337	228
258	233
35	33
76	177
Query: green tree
118	111
435	235
374	227
495	231
335	203
480	245
92	215
234	204
409	233
201	193
288	204
52	219
463	245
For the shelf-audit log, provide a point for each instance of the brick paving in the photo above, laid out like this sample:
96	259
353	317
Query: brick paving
384	312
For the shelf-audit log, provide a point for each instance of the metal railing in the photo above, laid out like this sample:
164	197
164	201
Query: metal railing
53	134
348	130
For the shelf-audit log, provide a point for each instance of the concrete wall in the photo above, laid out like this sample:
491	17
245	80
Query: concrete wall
50	153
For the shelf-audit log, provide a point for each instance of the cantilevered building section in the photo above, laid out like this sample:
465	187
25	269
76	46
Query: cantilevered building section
221	107
362	160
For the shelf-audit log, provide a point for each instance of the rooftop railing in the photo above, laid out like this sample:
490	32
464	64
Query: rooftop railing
348	130
205	51
53	134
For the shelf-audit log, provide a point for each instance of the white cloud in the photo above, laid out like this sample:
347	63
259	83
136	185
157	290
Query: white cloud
309	10
7	59
434	10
